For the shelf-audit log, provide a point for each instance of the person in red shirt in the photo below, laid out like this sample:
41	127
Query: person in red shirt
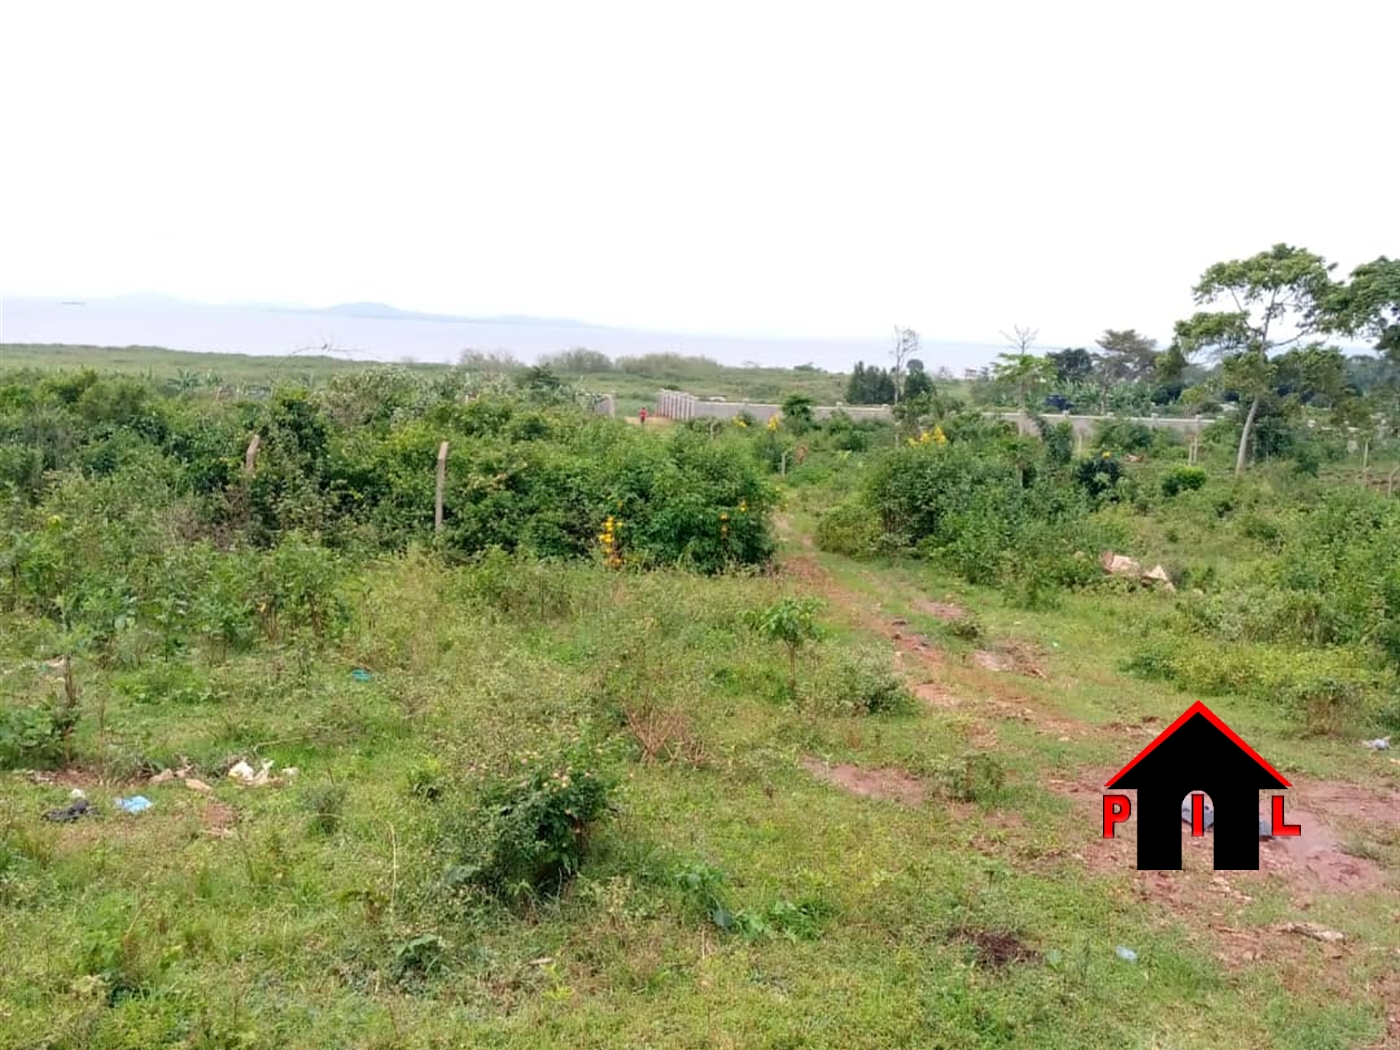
642	416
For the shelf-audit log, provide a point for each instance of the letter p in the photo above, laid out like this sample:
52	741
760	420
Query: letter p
1116	809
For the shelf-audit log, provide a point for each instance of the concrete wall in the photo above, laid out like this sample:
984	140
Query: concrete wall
676	404
1084	426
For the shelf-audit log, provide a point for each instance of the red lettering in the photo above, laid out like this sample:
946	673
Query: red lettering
1198	816
1116	809
1280	828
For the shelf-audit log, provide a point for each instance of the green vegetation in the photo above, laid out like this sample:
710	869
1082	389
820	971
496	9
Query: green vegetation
670	736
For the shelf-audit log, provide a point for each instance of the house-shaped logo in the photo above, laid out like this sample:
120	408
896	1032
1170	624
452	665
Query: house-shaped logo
1196	753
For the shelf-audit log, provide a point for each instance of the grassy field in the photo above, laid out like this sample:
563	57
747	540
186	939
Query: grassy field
774	870
982	914
633	389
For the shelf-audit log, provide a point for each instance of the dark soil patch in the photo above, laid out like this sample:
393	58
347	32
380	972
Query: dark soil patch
893	784
997	948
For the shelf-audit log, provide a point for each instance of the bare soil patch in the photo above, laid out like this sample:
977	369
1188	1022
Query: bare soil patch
1017	657
1311	862
894	784
945	611
218	819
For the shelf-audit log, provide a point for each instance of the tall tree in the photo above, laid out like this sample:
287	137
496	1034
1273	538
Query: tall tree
1366	305
1276	298
917	382
1126	355
1023	373
1072	365
906	343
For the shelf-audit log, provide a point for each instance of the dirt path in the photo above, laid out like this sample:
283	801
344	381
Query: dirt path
1329	860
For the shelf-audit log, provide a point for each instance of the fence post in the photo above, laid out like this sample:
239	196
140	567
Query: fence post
441	483
250	457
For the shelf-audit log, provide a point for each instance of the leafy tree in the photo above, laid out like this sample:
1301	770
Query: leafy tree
870	385
1268	292
917	382
1126	355
1023	373
791	621
1368	304
797	413
1072	365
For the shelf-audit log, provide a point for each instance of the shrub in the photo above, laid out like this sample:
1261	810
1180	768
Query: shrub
851	528
325	803
528	834
31	736
1123	436
973	777
791	621
861	682
1182	479
1100	477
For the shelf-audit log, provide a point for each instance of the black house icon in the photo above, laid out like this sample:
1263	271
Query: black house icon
1198	752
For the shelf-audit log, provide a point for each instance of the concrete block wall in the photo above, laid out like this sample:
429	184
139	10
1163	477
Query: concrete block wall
1084	426
678	405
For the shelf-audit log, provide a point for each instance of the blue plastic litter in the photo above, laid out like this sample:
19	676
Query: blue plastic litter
360	675
134	804
1126	954
1208	818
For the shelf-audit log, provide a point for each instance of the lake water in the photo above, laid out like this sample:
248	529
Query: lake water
254	330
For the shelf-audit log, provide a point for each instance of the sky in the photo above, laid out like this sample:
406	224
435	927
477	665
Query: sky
758	168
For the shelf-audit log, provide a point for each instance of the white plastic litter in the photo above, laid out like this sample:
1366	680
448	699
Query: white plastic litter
245	774
1379	744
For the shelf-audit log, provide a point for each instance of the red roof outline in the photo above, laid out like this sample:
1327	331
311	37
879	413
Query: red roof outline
1213	719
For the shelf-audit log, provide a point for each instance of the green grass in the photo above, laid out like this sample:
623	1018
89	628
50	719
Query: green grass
150	931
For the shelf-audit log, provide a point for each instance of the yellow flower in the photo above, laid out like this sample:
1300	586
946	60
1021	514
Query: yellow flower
743	506
939	436
772	422
1107	455
739	422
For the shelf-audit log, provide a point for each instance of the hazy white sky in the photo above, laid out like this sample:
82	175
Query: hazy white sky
755	168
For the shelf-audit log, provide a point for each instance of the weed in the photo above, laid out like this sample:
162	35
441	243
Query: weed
976	776
664	734
326	805
529	833
860	681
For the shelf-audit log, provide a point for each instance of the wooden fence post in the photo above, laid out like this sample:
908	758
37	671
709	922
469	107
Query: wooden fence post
441	483
250	457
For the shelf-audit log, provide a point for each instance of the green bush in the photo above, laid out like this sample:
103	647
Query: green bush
1182	479
1123	436
975	776
528	834
851	528
31	737
860	681
1100	477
